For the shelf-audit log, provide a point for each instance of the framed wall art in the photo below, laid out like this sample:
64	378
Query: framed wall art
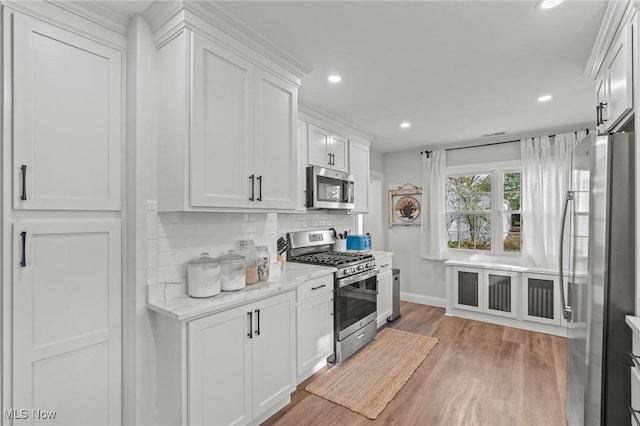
405	206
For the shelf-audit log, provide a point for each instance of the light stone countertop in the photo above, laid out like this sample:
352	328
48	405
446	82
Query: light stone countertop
634	323
181	307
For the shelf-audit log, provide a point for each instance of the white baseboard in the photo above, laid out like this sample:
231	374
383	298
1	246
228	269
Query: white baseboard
423	300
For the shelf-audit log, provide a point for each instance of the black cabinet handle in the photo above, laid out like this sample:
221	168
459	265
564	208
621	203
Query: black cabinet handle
260	188
602	105
320	286
333	159
597	115
329	158
252	178
23	261
23	168
258	322
250	333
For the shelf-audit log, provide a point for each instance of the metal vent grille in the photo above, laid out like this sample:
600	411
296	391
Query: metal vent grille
500	296
540	298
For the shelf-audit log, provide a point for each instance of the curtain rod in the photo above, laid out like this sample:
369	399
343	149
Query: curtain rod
488	144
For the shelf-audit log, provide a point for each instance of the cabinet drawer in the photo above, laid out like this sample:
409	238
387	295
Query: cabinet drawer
314	287
384	264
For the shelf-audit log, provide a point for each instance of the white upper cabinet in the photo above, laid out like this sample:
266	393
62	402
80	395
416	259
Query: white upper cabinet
222	141
359	169
228	138
619	79
319	141
67	119
326	149
339	149
611	66
276	157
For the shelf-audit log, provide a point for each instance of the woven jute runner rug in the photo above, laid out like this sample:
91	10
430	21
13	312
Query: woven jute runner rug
370	379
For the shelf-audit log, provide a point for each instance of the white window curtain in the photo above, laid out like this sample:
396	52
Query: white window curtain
546	177
433	205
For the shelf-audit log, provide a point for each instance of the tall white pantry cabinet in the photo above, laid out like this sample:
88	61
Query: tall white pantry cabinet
62	140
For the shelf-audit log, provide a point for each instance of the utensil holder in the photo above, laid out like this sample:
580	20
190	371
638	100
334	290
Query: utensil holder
340	245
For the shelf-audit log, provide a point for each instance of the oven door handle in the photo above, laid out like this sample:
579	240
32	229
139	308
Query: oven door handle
358	277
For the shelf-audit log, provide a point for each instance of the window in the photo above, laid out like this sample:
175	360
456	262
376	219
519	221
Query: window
483	211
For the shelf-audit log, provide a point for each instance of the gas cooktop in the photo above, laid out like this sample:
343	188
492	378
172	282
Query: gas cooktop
333	258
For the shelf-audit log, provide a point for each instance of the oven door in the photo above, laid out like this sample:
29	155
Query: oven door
355	302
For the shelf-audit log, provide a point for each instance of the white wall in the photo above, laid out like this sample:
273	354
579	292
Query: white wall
423	280
376	161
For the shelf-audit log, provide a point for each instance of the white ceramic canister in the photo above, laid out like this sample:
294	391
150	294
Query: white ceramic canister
232	271
203	276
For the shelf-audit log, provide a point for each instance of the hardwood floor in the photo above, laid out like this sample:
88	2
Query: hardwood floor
479	374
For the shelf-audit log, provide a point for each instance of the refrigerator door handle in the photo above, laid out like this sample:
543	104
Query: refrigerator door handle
566	309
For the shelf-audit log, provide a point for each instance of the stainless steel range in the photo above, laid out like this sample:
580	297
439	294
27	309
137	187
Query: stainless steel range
355	288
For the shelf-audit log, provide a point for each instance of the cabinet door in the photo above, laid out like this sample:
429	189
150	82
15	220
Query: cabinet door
302	166
500	292
273	351
221	146
359	168
339	149
384	297
67	119
541	298
67	319
315	332
318	144
219	369
620	79
276	154
467	288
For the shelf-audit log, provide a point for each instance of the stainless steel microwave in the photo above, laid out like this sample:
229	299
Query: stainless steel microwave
329	189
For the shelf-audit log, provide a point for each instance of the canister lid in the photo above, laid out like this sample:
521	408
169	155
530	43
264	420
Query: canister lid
231	258
204	259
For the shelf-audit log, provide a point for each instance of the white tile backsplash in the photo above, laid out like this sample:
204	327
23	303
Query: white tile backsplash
176	238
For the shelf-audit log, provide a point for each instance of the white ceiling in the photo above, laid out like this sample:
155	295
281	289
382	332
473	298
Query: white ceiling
456	70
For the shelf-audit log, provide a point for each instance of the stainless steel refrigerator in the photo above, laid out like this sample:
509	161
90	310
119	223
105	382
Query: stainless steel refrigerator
598	261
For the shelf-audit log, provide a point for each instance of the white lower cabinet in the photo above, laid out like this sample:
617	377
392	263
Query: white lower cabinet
510	296
385	282
315	325
238	366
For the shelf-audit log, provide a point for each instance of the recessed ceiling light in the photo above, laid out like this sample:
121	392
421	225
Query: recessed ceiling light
405	124
544	98
334	78
548	4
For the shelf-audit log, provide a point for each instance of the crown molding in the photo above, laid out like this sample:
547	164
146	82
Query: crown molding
97	13
616	15
90	20
161	12
331	122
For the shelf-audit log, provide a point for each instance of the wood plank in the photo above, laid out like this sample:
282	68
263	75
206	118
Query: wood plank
478	374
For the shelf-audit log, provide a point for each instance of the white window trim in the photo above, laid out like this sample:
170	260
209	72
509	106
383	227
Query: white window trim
496	169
